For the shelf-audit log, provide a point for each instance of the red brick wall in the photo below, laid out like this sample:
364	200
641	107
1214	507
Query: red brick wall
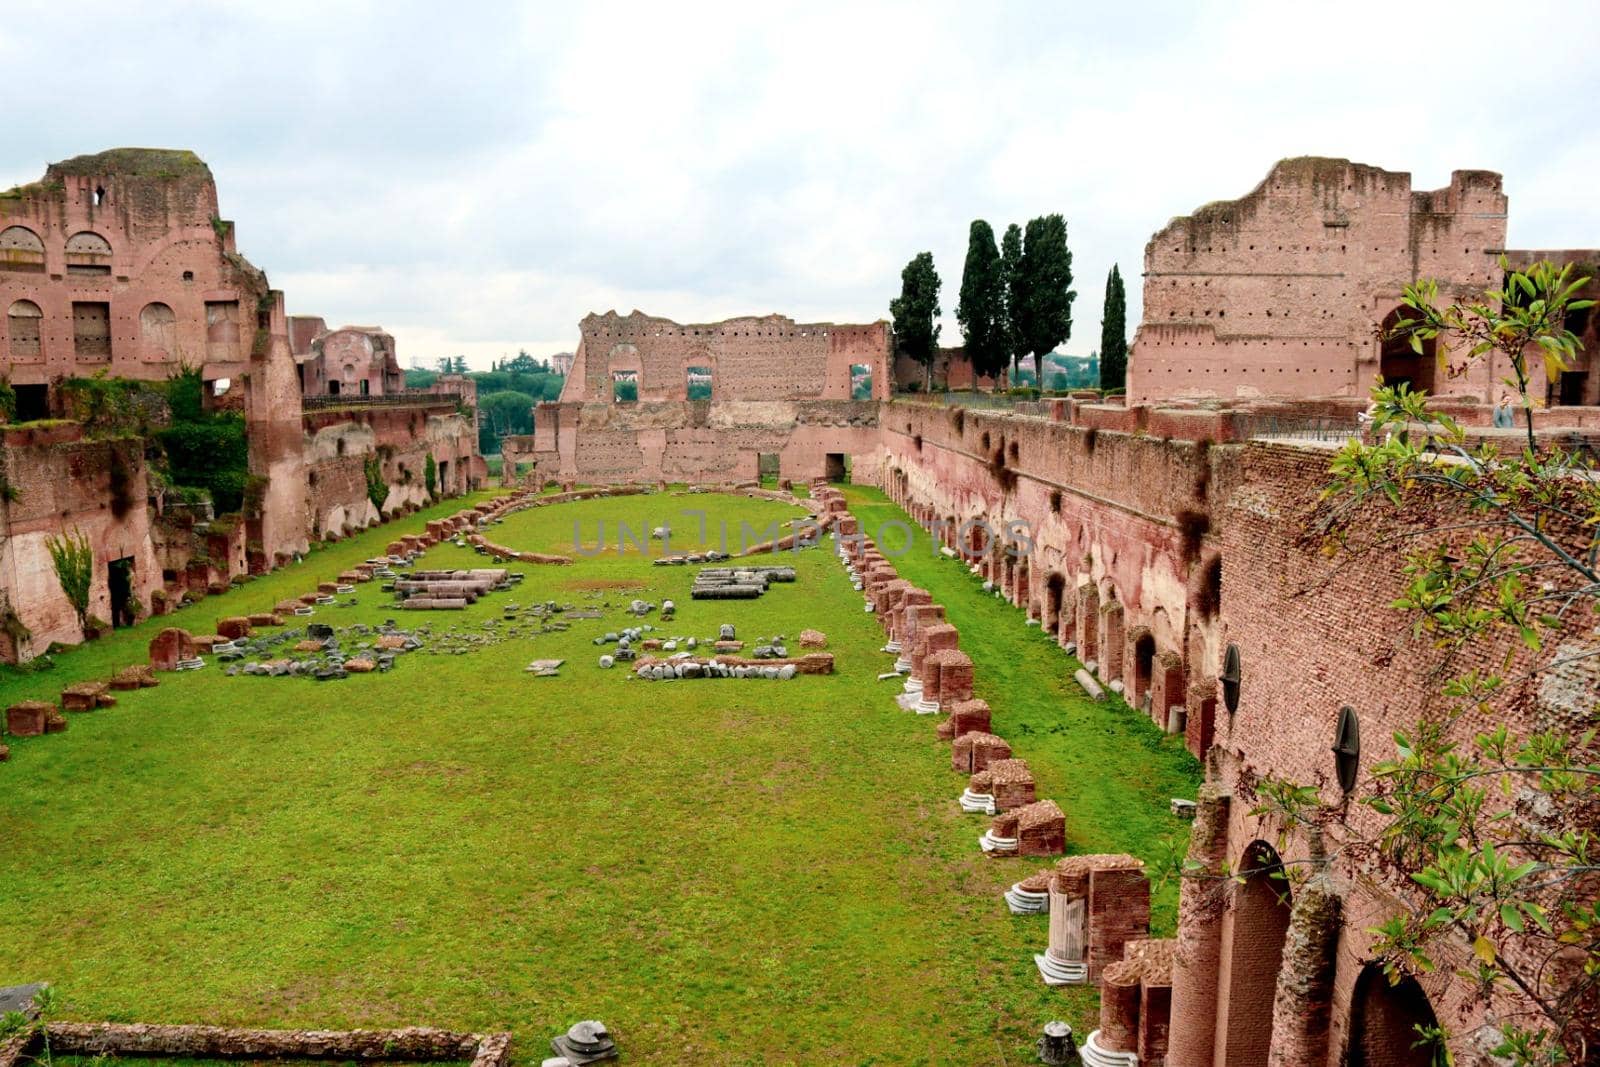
1278	293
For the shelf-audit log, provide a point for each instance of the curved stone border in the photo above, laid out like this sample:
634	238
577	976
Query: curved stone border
414	1044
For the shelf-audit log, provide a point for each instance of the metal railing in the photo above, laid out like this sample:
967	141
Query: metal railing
407	398
1297	427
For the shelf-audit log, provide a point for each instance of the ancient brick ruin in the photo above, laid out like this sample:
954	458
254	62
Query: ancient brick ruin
1154	536
778	400
1280	293
120	264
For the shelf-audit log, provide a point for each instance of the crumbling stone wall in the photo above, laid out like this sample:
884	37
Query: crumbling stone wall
1281	292
777	388
64	483
120	263
339	443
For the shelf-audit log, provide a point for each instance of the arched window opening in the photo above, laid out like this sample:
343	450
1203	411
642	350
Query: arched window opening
23	331
88	254
625	386
1387	1022
1257	924
698	382
1399	363
158	332
21	251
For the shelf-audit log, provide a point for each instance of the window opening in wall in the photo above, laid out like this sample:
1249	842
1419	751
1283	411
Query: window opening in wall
23	330
99	195
366	387
91	330
625	386
698	383
21	251
33	402
860	381
88	254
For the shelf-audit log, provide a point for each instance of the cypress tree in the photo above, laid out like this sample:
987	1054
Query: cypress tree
1114	334
1015	294
916	334
982	306
1046	305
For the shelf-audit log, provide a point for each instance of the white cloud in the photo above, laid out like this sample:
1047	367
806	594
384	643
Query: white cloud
479	182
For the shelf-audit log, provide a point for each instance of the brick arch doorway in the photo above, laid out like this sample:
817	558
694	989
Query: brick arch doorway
1384	1020
1399	363
1253	933
1054	593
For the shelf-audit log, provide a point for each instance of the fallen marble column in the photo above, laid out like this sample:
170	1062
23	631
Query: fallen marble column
1031	896
1000	839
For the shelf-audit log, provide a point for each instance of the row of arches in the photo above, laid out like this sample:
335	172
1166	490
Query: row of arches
1142	654
85	252
1387	1022
91	331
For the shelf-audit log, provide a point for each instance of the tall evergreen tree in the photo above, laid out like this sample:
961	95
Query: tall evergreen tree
981	311
916	334
1114	334
1015	290
1044	318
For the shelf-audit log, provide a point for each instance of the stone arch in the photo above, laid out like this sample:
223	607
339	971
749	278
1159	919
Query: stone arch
88	253
1254	930
23	330
1142	668
1054	593
1398	362
21	251
1383	1022
158	332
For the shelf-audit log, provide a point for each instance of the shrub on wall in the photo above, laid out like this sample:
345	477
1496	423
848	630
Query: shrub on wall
204	450
377	490
430	475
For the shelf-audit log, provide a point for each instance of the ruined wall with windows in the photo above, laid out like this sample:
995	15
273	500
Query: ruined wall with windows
1282	292
649	398
119	264
369	464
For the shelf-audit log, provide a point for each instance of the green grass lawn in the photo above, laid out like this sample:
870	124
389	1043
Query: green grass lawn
724	871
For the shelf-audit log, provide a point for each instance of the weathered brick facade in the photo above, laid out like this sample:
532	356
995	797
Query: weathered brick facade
1281	293
778	389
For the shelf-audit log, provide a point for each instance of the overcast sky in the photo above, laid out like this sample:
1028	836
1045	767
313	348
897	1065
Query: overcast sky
478	177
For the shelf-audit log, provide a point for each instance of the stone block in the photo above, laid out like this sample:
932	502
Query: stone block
86	696
974	751
28	718
169	646
1041	829
966	716
233	627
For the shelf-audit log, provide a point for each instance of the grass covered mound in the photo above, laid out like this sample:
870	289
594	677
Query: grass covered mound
724	871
